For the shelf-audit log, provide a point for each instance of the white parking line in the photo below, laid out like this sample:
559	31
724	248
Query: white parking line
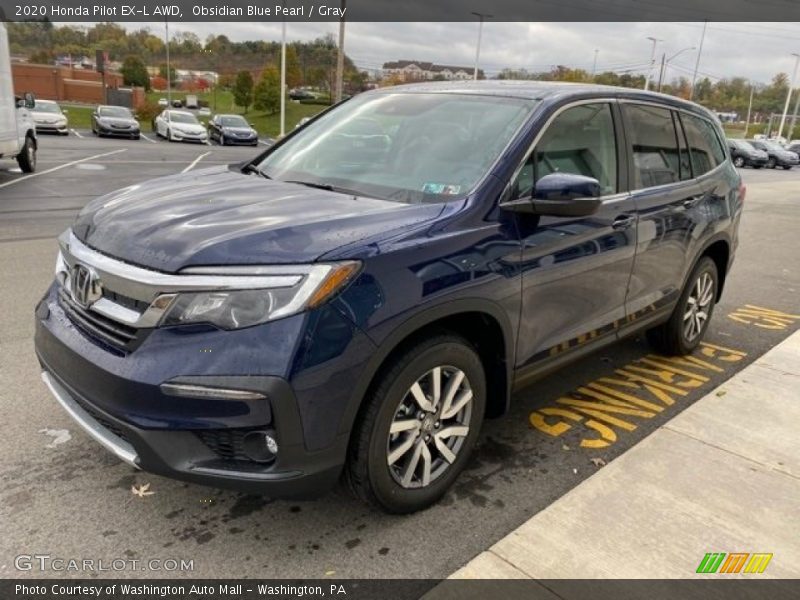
76	133
147	138
195	161
265	143
59	167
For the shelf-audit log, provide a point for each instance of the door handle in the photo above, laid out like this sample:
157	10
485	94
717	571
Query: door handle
692	202
623	221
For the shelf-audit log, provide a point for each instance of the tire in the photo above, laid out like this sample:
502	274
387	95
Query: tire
169	135
738	162
389	487
677	336
787	167
136	137
771	163
27	156
757	166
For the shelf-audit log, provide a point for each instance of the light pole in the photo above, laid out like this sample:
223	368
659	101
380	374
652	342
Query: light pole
480	16
283	78
665	61
652	62
169	71
340	57
749	110
789	93
697	62
594	64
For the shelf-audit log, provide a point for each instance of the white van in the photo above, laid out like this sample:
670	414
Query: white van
17	129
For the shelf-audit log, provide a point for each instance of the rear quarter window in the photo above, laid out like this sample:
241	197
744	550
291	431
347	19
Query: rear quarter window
705	147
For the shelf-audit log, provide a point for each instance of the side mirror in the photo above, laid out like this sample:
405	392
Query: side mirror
30	100
560	195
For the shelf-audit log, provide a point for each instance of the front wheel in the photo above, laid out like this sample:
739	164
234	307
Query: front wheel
419	425
738	162
787	167
27	156
771	163
689	321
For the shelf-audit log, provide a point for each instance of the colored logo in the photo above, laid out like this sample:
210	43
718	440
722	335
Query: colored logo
735	562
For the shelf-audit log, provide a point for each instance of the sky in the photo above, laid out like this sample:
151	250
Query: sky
756	51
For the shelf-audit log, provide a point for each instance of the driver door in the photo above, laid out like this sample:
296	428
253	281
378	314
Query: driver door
575	270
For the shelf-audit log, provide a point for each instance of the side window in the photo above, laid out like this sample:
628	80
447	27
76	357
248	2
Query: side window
580	140
704	145
654	144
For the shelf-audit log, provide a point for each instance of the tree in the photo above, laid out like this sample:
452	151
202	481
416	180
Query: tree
134	72
243	89
173	74
268	92
294	76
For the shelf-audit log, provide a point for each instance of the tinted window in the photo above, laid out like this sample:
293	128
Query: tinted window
580	140
654	145
704	145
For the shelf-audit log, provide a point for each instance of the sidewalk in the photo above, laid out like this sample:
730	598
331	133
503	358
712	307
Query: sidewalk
723	476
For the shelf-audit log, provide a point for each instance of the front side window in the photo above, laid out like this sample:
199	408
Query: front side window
405	147
581	141
654	144
705	148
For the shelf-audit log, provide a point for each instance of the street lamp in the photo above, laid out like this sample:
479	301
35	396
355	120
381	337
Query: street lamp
789	94
652	62
665	61
480	16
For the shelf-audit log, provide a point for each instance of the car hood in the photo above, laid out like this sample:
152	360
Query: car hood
219	216
237	129
117	121
192	127
47	117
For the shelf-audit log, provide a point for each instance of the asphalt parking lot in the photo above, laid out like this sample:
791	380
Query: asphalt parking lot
63	495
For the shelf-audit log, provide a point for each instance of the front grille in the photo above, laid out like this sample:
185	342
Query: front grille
100	418
228	444
97	326
126	301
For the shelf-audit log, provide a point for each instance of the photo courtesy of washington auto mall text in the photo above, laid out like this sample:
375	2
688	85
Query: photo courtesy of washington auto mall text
392	300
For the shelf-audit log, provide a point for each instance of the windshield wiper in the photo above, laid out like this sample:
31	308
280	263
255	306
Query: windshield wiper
251	168
328	188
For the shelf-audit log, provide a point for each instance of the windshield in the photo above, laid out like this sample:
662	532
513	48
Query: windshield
46	107
743	145
114	111
774	146
401	146
182	118
233	122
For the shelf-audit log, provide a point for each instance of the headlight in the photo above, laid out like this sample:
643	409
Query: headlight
285	294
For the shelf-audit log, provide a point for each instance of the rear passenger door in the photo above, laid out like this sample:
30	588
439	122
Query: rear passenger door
575	270
665	194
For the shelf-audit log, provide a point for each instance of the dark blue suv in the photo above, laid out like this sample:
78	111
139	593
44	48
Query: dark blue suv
357	299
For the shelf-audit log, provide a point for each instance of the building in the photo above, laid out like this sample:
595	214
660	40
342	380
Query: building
414	70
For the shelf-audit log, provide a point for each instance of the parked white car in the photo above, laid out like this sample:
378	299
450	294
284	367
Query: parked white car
49	118
179	126
17	129
163	102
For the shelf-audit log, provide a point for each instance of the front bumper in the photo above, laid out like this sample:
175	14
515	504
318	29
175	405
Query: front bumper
52	128
179	136
117	401
787	162
115	131
756	161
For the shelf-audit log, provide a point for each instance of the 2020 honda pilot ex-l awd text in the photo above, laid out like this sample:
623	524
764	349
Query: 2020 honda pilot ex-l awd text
357	299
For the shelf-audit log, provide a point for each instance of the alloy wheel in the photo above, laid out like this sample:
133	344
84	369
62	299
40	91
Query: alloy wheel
430	426
697	306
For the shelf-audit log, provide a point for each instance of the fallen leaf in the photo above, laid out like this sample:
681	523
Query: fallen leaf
598	462
141	490
564	447
575	471
59	436
329	573
721	393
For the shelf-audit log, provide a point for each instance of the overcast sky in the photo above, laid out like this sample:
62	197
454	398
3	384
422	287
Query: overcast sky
756	51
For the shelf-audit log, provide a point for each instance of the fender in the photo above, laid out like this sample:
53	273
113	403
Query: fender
417	322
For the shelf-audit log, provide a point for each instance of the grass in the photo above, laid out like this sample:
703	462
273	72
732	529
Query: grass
265	124
79	117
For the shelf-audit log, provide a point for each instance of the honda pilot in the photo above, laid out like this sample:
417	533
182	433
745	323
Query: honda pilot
355	301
